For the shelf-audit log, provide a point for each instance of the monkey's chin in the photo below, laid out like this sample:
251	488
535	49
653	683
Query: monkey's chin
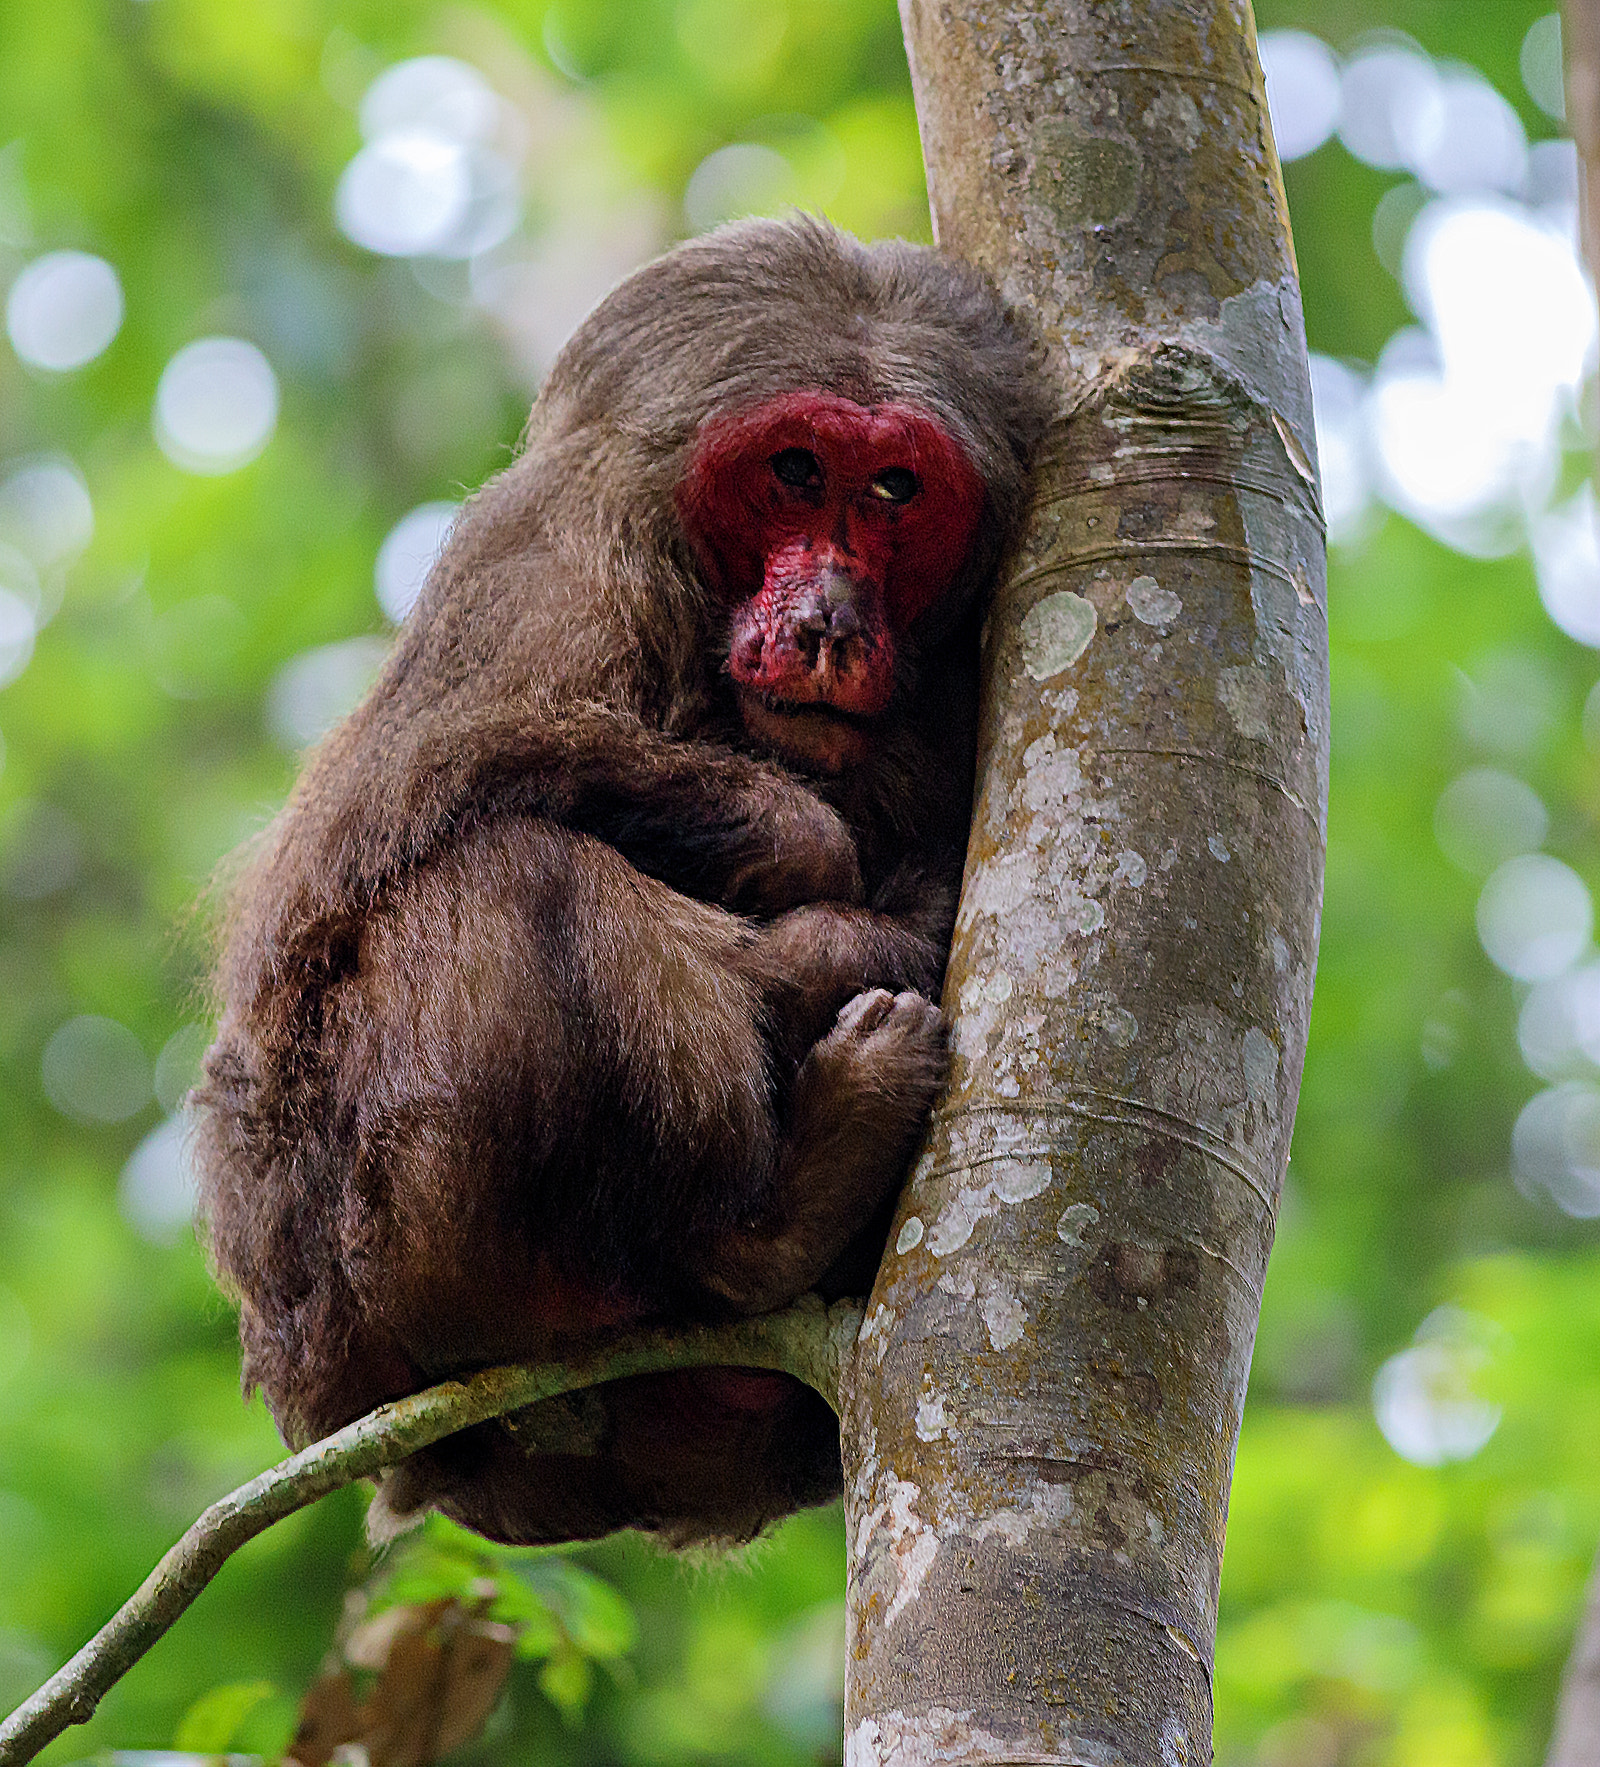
817	736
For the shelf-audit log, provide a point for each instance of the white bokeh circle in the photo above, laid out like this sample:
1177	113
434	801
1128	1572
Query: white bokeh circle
406	193
1302	76
63	310
1535	916
216	405
407	555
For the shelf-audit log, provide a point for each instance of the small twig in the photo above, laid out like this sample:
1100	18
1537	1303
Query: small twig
807	1340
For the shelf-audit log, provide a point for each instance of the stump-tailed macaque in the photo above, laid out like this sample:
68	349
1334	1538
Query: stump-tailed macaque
588	978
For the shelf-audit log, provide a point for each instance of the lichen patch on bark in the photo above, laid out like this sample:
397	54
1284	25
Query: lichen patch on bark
1055	633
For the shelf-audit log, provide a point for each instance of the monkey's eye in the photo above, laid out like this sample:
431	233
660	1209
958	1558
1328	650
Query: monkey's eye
896	484
798	467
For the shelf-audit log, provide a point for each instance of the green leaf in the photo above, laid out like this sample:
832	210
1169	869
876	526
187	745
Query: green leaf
600	1621
213	1722
566	1681
538	1632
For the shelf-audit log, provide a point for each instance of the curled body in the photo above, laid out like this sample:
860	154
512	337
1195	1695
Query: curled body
587	978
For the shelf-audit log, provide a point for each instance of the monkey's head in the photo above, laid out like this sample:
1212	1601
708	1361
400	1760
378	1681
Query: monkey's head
784	463
827	527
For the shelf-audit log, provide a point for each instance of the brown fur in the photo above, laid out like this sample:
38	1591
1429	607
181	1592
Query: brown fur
547	1001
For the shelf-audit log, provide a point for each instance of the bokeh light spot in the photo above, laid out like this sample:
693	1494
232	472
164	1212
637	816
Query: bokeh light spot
216	405
1535	917
1302	75
1556	1145
178	1064
1385	93
1466	137
46	512
16	635
1566	556
1558	1029
1509	702
158	1190
63	310
1541	64
1508	303
1465	417
429	182
95	1070
1423	1397
314	690
744	179
405	193
438	93
407	555
1485	817
1337	400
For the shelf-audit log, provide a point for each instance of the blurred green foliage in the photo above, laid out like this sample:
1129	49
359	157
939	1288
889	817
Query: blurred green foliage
1374	1611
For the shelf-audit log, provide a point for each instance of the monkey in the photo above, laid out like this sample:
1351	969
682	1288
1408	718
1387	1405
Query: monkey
588	978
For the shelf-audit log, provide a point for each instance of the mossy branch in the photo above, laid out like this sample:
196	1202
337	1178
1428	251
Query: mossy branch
808	1340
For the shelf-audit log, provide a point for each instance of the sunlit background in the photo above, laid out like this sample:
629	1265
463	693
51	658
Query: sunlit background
279	282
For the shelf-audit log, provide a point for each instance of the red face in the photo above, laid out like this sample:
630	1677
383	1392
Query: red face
829	527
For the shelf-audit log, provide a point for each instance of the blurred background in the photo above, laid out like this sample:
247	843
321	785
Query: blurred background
279	282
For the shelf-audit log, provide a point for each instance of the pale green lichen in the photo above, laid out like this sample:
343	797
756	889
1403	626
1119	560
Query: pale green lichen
1055	633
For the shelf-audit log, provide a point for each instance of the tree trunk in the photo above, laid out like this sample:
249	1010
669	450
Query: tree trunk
1580	21
1041	1415
1576	1742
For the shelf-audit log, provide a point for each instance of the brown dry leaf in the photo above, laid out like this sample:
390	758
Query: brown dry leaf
441	1668
476	1667
329	1716
369	1643
402	1712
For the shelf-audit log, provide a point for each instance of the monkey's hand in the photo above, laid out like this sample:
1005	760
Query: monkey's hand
800	851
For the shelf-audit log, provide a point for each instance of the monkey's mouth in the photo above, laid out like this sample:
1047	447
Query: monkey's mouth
813	734
812	708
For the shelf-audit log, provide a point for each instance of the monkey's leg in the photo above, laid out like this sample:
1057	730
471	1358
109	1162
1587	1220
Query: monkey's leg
558	1087
561	1091
859	1103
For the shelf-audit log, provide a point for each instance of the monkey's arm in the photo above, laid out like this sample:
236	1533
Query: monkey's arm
403	782
858	1104
712	823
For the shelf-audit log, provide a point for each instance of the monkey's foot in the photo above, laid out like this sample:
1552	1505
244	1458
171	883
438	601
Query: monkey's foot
879	1066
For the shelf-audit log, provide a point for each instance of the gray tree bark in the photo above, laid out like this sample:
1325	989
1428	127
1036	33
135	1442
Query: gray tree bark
1041	1414
1576	1742
1580	20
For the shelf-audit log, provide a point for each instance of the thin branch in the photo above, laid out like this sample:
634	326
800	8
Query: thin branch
807	1340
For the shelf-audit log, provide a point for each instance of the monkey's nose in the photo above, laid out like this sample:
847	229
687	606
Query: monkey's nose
825	618
838	590
811	614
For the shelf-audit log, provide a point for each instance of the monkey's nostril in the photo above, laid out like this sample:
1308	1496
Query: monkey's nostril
846	622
